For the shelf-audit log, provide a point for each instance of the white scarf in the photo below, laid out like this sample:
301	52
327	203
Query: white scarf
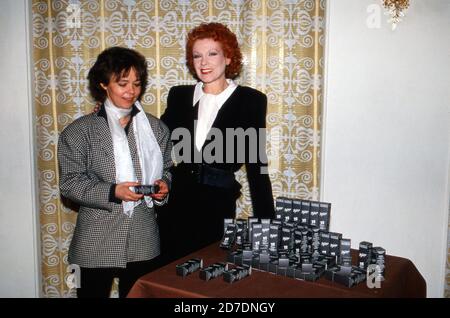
148	150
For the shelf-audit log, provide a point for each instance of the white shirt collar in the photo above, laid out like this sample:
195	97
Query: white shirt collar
220	98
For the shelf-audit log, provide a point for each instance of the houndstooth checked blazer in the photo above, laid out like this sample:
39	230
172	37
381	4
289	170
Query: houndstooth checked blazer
104	236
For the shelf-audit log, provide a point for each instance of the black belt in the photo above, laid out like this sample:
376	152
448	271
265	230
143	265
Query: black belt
205	174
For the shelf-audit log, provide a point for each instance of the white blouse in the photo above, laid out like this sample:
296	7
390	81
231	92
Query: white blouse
208	108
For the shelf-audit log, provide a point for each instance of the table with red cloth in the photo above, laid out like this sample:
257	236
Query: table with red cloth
402	279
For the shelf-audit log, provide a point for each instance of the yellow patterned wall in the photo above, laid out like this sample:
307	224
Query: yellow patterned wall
282	42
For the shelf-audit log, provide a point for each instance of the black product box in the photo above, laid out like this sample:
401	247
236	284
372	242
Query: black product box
361	274
189	267
247	255
348	279
290	270
235	257
250	223
277	222
264	257
237	273
297	242
304	215
296	211
146	189
324	215
274	238
306	240
287	217
307	267
308	276
335	243
279	208
345	256
265	231
330	260
226	222
315	240
305	258
256	236
241	232
286	239
365	254
213	271
379	254
273	266
314	214
324	243
229	236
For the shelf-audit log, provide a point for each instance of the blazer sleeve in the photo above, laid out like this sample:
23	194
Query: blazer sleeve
75	181
257	173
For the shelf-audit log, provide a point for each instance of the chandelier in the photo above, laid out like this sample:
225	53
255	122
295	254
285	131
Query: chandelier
395	10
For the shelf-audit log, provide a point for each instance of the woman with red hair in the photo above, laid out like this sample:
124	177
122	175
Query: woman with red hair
205	190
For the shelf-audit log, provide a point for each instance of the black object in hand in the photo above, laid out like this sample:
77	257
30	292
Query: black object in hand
147	189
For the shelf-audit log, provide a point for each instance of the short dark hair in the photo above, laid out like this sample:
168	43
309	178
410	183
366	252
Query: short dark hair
116	62
227	39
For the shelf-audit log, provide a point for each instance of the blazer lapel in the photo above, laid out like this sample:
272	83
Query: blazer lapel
103	135
226	112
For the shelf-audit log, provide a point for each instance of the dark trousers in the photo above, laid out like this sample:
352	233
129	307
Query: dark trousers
97	282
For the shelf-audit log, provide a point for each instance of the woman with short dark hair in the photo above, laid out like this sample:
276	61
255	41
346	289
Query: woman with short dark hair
102	158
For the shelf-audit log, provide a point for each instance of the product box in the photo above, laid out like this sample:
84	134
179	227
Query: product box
237	273
287	215
241	232
229	236
315	240
324	243
306	240
226	222
304	216
250	223
213	271
324	215
345	256
189	267
365	254
314	214
279	208
297	242
256	236
274	239
235	257
286	239
265	231
335	244
380	260
296	211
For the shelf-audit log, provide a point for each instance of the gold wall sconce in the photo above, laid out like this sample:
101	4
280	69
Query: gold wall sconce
395	10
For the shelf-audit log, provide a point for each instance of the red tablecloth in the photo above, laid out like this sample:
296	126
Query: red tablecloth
402	279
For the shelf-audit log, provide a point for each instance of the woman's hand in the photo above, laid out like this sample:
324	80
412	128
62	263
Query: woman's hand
163	190
124	193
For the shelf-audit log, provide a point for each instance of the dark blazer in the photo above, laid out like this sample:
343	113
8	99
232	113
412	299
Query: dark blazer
104	236
245	108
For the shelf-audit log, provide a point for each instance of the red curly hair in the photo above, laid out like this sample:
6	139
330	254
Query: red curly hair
227	39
